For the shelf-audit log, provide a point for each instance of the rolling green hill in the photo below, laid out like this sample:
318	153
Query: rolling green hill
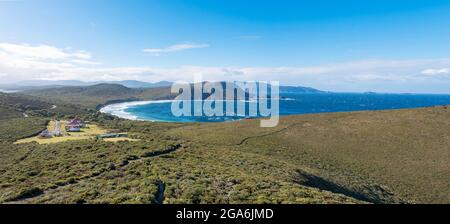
15	105
157	169
97	95
382	156
398	156
22	103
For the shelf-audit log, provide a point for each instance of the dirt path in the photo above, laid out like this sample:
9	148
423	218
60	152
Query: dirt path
243	141
57	131
23	199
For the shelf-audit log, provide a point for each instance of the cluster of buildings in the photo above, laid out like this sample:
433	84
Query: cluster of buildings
75	125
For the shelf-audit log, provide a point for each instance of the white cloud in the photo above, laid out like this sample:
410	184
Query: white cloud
84	55
442	71
84	62
24	62
41	52
173	48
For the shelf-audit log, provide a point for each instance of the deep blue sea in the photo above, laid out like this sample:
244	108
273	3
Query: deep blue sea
290	103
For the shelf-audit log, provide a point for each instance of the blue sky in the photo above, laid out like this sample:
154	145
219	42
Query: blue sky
385	46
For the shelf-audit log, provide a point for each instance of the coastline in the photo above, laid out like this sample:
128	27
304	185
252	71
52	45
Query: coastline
119	109
9	91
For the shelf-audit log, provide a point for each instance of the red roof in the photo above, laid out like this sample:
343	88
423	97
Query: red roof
75	121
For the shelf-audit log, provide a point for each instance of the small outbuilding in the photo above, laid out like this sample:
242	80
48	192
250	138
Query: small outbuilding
112	135
74	129
45	134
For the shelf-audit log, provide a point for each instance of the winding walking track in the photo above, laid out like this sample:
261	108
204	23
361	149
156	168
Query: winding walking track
159	197
244	141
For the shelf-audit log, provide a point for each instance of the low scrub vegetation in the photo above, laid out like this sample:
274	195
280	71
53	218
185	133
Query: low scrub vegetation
397	156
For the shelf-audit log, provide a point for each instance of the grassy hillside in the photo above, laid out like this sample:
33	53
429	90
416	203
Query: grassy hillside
157	169
382	155
378	157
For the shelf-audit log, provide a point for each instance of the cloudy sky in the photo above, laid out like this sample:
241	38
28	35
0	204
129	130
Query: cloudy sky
347	45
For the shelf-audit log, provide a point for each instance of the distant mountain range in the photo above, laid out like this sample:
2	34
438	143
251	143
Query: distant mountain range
46	84
299	89
95	95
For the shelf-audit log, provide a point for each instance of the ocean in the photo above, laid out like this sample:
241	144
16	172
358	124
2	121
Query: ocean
290	103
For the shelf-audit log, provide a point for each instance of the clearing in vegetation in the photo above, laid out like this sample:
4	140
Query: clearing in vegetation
120	139
89	132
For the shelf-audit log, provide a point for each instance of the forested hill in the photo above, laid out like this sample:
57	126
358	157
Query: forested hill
13	105
101	94
93	96
299	89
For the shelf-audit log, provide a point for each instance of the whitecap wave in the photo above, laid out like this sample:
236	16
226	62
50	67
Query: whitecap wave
119	109
8	91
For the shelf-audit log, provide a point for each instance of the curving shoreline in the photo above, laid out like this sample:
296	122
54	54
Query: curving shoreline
289	105
119	109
